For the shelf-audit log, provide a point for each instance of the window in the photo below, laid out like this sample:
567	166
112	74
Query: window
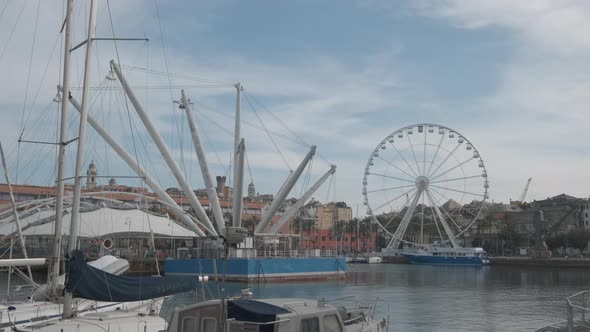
209	325
310	325
331	324
189	324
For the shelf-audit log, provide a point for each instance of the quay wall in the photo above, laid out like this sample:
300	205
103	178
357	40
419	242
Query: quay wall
575	262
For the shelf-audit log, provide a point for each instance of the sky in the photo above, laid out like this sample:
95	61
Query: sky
510	76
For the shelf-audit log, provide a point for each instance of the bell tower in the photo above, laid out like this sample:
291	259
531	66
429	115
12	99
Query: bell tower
91	176
251	190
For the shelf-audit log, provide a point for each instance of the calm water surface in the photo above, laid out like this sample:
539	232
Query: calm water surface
441	298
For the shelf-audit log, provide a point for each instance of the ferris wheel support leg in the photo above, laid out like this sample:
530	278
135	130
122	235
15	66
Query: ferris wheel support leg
443	222
401	229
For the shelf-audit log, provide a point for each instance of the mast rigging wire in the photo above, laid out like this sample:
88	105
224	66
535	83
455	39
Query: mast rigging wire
268	134
13	29
27	87
183	76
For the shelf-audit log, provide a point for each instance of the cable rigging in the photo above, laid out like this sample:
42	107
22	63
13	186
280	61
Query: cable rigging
27	86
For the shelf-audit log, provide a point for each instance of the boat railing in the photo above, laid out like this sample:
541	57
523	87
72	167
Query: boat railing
272	253
233	321
578	311
378	312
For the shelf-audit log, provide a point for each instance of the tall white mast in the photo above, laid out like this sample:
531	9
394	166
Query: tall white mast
238	167
237	119
63	131
75	217
307	195
162	147
284	191
238	184
211	192
188	222
15	211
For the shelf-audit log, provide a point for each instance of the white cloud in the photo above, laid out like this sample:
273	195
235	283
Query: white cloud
553	26
540	103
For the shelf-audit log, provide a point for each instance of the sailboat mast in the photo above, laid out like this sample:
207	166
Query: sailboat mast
237	119
63	129
15	211
238	184
238	166
188	222
75	217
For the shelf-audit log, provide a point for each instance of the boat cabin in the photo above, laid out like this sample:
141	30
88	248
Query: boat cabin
271	315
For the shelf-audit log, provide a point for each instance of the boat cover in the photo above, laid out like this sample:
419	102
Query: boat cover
253	311
88	282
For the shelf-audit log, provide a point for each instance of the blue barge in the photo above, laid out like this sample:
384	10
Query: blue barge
251	269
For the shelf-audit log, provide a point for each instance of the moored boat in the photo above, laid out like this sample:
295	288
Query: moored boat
281	315
446	256
367	260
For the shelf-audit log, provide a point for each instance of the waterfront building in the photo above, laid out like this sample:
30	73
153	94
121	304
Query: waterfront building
331	228
585	213
328	226
562	212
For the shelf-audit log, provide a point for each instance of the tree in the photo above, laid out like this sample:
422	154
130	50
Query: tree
485	224
509	235
340	204
573	239
250	224
476	241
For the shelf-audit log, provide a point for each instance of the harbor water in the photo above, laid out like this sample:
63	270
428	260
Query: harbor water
438	298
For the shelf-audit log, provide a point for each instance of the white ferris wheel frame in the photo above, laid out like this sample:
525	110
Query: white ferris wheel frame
423	179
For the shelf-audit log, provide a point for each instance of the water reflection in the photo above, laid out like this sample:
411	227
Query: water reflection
439	298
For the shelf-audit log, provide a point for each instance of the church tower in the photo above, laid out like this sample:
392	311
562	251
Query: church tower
251	190
91	176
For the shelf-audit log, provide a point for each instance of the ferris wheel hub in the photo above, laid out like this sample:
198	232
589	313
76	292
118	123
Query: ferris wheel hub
422	182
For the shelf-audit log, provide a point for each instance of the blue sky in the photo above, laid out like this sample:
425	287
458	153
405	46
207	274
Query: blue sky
510	76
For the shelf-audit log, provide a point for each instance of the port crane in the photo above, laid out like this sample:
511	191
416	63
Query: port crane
524	192
520	201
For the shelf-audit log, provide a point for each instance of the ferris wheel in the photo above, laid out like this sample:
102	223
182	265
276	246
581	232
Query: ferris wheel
425	184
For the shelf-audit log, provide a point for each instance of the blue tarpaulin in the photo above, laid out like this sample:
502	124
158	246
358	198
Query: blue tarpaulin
87	282
253	311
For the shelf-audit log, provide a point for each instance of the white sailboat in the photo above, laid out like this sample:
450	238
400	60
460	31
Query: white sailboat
47	314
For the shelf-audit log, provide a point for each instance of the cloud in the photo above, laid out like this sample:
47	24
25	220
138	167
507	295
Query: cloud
539	112
344	107
553	26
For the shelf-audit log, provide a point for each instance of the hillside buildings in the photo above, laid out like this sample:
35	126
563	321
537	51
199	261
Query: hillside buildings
329	225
